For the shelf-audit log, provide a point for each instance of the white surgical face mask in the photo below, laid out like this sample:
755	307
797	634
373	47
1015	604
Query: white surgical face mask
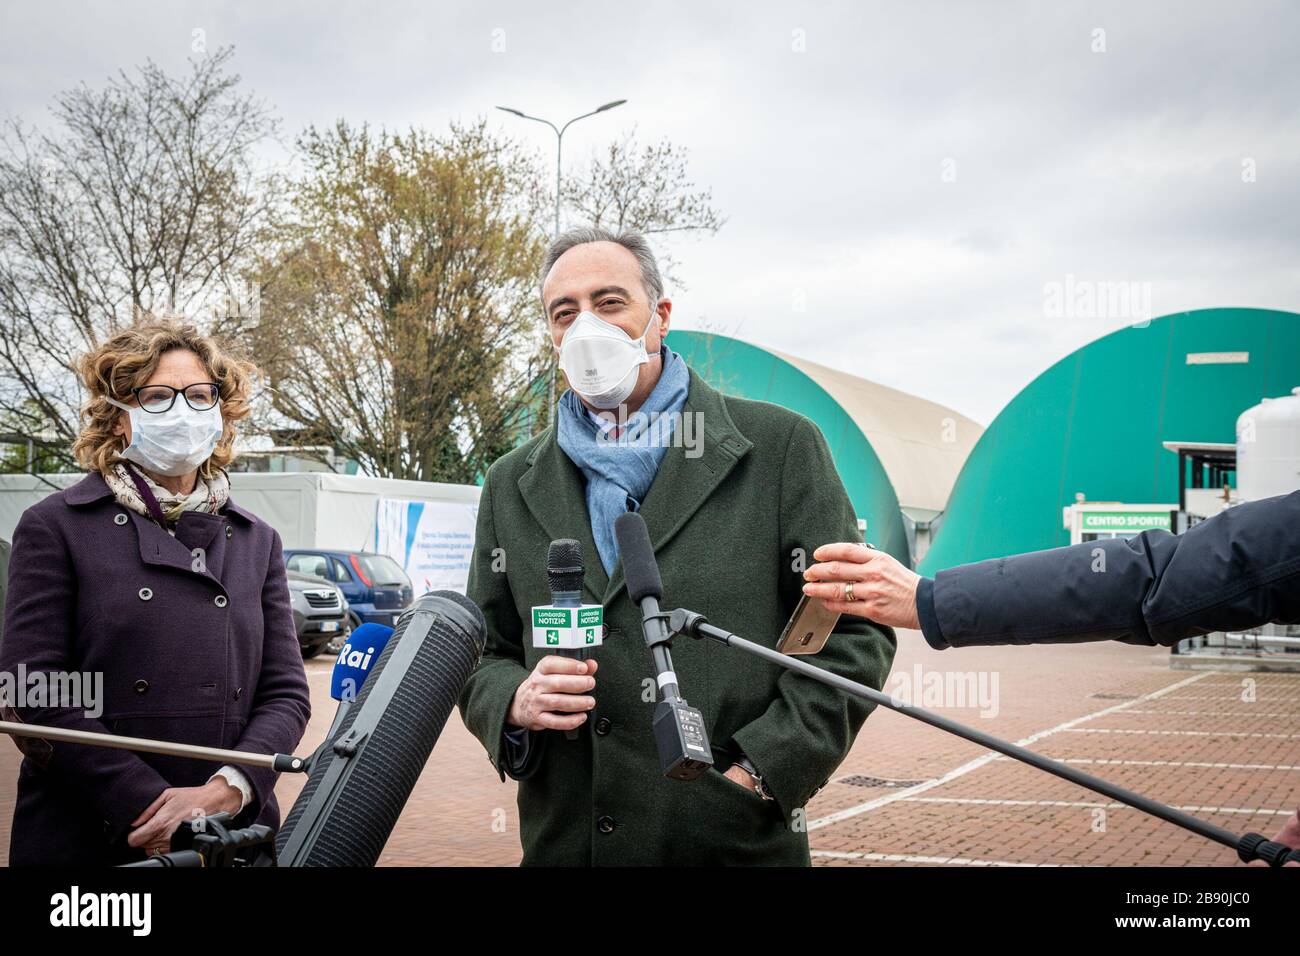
173	442
601	361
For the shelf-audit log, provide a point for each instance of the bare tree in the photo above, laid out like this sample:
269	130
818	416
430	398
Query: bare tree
400	316
144	197
644	188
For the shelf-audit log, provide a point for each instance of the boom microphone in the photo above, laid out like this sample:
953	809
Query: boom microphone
680	736
1250	846
362	779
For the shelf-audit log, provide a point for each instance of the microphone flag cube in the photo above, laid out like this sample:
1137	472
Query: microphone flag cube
568	628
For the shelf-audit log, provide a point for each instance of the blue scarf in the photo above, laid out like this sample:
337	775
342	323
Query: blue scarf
619	470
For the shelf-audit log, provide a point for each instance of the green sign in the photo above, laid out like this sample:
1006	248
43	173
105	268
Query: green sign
1134	521
554	628
552	617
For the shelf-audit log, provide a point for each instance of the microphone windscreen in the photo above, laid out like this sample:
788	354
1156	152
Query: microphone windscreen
365	773
564	565
469	607
359	654
640	569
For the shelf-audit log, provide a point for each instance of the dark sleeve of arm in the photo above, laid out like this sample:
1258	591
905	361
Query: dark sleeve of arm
925	613
1238	569
487	695
807	730
281	702
40	618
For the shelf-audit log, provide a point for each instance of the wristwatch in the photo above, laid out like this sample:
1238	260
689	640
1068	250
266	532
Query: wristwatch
747	765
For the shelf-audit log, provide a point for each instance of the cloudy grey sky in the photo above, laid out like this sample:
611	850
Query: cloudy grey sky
901	180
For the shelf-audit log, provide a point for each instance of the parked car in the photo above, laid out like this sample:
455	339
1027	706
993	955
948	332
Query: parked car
375	587
320	612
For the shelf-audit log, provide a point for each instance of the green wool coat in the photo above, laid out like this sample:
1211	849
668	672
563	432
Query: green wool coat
733	526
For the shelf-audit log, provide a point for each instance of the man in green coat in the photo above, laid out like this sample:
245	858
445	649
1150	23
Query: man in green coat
736	495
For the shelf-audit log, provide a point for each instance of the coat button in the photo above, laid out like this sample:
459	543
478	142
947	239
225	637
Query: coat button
605	824
603	726
141	686
239	692
146	594
229	531
120	518
219	600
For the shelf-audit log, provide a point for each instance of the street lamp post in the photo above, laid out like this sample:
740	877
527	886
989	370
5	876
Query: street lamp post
559	145
559	142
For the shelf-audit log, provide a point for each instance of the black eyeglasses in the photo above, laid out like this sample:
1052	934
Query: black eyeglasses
156	399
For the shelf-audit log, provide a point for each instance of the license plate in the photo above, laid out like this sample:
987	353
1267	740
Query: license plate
328	626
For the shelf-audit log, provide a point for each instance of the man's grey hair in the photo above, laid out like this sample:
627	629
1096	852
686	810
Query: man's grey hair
633	242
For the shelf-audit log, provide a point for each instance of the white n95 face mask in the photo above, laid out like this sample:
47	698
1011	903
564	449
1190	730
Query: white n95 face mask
172	442
601	361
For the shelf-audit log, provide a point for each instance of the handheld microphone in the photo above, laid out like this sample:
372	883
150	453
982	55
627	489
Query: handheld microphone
566	626
680	736
564	570
359	654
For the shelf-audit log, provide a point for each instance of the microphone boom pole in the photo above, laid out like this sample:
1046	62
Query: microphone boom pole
280	763
1248	847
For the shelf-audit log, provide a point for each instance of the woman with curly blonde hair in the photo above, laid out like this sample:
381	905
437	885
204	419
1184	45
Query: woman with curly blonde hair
147	573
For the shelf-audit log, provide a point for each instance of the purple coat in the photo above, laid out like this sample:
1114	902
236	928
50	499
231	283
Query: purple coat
196	653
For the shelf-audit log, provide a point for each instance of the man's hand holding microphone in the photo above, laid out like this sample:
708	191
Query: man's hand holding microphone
555	696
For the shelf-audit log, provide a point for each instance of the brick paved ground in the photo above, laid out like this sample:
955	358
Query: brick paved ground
1187	738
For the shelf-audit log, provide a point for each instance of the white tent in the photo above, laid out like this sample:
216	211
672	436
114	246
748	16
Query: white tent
427	527
921	444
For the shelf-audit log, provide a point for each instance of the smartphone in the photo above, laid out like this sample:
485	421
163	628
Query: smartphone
808	628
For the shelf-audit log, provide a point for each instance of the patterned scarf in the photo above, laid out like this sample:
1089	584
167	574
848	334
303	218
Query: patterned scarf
620	466
208	495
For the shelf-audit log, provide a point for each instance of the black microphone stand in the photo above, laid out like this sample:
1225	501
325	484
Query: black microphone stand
1249	847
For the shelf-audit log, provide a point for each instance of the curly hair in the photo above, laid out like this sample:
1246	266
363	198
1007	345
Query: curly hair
127	359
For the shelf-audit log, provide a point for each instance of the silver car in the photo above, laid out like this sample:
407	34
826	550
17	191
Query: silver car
320	613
